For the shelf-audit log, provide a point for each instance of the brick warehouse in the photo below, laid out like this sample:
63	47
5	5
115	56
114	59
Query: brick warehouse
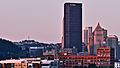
104	57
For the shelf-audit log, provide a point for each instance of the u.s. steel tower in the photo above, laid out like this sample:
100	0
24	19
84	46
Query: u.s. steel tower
72	28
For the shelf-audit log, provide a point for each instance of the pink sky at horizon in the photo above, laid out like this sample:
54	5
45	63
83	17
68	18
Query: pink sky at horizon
42	19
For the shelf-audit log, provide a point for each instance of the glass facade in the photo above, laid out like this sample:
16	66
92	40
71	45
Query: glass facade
73	26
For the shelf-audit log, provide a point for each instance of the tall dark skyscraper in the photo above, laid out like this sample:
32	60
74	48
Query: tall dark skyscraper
73	26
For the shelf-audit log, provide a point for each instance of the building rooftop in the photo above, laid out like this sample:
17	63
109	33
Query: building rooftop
112	36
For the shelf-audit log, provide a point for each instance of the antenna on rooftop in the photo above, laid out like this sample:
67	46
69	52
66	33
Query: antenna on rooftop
28	37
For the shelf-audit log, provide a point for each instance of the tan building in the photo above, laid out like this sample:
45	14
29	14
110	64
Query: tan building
91	45
21	63
88	40
100	35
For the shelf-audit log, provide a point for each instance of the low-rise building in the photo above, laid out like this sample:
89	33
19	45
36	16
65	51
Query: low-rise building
104	58
116	64
21	63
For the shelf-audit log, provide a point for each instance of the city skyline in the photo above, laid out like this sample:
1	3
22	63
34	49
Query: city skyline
18	17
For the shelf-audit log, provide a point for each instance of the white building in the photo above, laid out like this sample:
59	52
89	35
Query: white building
117	65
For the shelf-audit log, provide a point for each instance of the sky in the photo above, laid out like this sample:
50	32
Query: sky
42	20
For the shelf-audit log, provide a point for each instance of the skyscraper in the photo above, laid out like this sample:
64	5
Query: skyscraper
88	39
85	40
86	36
89	31
100	35
73	26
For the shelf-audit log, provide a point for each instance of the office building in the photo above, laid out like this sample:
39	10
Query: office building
100	35
72	32
87	34
104	58
112	41
36	51
91	45
88	38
